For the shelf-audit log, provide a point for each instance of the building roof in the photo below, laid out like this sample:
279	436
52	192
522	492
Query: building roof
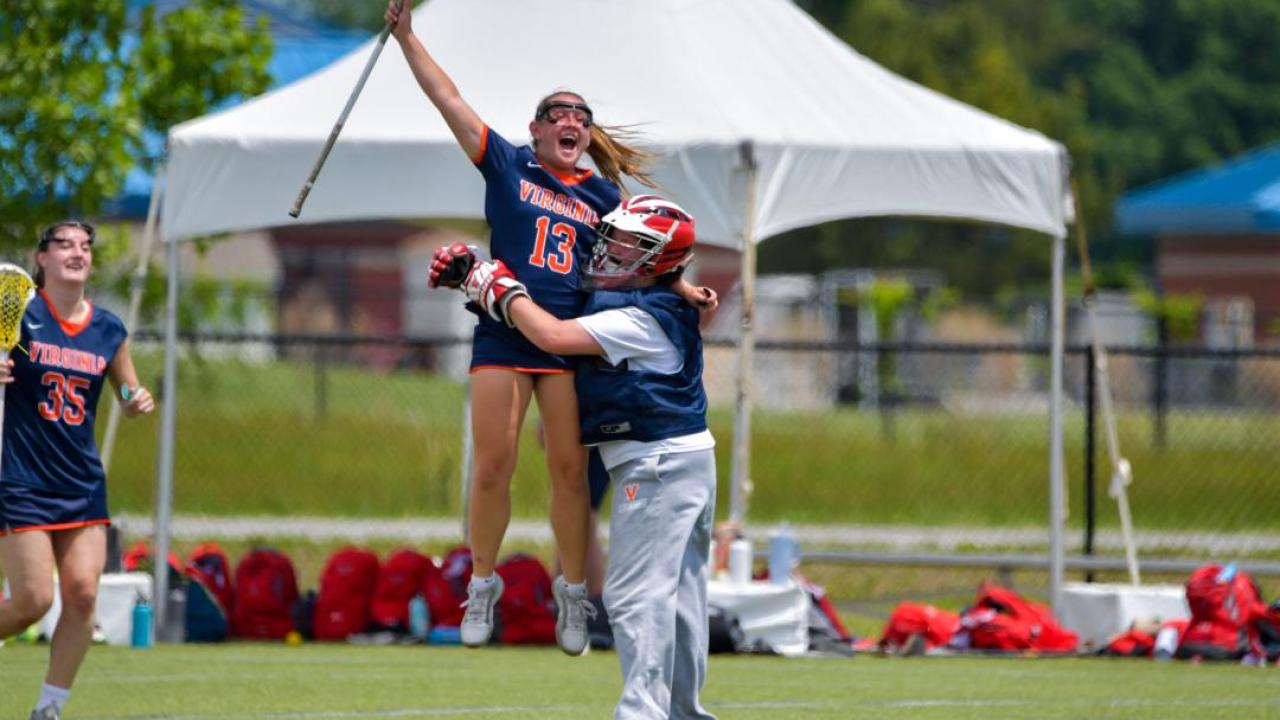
1241	195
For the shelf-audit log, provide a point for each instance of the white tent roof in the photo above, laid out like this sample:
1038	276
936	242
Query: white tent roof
834	134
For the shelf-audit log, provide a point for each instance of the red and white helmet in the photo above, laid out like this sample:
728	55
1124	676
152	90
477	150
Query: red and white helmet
644	237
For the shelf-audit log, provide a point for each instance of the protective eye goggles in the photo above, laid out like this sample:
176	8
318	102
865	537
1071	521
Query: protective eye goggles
50	233
557	111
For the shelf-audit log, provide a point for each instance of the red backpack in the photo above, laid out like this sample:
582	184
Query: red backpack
445	587
346	588
266	589
1225	609
1003	620
527	610
401	577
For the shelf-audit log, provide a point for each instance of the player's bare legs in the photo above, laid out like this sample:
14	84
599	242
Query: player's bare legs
567	467
499	400
27	561
81	554
570	506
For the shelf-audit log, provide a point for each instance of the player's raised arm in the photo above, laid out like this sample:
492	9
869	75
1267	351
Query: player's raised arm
466	125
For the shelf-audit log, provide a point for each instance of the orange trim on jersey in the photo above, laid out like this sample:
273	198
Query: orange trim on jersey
582	175
70	328
60	526
525	370
484	145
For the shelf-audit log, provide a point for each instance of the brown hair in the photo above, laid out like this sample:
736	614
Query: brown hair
50	233
613	148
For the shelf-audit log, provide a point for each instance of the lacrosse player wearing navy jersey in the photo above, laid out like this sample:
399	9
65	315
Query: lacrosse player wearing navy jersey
541	207
643	405
53	494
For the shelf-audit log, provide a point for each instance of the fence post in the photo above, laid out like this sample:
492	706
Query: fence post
1160	394
1090	482
321	357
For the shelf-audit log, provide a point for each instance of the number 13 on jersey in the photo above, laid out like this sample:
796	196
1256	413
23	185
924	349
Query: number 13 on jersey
559	258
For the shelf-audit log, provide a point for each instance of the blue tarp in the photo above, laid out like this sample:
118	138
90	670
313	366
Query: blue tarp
1239	196
301	45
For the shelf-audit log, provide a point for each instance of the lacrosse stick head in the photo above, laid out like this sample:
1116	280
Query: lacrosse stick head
16	290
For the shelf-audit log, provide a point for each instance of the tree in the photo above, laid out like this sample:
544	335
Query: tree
83	85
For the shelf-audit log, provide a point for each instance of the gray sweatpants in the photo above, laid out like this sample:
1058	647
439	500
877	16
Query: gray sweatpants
656	590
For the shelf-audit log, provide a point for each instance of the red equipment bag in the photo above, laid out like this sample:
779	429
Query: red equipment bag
401	577
346	589
445	587
266	589
1225	612
526	610
1003	620
910	620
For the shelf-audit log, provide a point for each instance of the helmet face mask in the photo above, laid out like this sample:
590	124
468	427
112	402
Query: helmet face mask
644	239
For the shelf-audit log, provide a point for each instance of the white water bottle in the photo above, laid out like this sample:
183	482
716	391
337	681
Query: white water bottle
1166	644
740	561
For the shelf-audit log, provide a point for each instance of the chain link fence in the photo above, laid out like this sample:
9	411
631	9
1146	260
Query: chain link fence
893	448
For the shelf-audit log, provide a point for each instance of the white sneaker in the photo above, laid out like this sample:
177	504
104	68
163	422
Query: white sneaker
573	609
477	623
48	712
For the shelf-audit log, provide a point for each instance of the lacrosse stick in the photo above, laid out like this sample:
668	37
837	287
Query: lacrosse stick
342	119
1121	471
16	290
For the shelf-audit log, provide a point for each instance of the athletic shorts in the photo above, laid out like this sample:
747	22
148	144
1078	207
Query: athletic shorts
597	478
494	345
26	508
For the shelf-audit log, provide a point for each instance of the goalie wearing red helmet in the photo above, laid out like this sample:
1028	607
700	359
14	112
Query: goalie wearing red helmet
643	405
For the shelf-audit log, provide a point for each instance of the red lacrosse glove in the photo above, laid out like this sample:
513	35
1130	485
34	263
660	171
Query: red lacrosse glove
450	265
492	286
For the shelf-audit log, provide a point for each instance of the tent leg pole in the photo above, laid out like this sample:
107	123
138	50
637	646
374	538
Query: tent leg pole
168	418
740	480
136	285
1057	509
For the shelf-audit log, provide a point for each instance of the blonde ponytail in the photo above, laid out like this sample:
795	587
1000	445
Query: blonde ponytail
613	150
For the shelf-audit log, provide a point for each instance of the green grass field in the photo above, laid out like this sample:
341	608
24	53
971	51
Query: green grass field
234	681
282	438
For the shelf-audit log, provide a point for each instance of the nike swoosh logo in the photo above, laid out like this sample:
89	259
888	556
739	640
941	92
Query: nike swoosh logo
35	326
533	165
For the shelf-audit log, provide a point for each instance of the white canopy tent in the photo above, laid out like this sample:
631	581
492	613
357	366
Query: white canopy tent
765	121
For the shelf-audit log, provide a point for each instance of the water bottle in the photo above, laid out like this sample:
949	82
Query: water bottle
141	636
1226	574
740	561
782	554
419	618
1166	644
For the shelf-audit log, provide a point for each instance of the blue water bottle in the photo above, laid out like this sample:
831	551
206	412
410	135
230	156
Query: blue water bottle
419	618
141	635
782	554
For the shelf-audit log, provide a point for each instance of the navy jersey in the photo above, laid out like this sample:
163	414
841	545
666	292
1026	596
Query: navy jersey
49	408
542	226
624	403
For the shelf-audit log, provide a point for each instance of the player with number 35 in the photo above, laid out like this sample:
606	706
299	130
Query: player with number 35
53	494
541	207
